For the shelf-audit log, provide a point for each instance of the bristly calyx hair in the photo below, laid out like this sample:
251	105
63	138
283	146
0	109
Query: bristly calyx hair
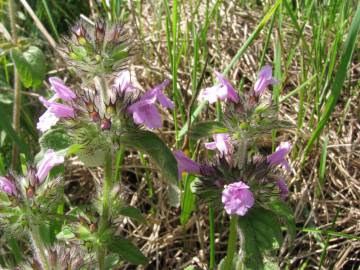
257	173
98	49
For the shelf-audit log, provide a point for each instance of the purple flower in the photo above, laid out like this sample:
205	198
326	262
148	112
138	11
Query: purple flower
222	142
46	121
284	191
185	164
145	112
58	109
265	78
50	160
7	186
237	198
61	90
157	92
278	157
122	82
222	90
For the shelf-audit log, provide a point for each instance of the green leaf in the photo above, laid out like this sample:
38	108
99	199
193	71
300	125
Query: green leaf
65	234
36	61
151	144
286	214
236	265
6	125
206	129
56	139
22	67
133	213
30	65
262	234
126	250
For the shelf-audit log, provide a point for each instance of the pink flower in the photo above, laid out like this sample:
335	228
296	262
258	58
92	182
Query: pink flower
61	90
122	82
145	112
222	142
50	160
7	186
265	78
278	157
223	90
284	191
185	164
237	198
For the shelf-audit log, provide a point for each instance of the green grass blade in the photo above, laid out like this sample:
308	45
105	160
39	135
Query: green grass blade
338	81
256	32
51	21
322	167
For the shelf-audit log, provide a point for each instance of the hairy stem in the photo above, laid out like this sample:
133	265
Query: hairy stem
231	243
37	244
38	247
17	93
106	210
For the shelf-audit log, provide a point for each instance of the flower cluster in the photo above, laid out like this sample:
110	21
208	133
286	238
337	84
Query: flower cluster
239	185
13	186
89	105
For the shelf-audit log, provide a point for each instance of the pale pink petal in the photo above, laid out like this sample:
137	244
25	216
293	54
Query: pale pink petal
46	121
210	145
50	160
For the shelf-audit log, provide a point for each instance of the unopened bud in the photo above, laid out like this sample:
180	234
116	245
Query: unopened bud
30	192
105	124
92	227
89	106
95	116
110	109
100	32
116	35
80	33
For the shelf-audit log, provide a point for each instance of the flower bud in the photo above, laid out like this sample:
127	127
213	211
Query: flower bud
105	124
100	27
30	192
95	116
31	175
80	33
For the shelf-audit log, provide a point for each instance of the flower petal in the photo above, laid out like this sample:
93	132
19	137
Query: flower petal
61	89
50	160
46	121
185	164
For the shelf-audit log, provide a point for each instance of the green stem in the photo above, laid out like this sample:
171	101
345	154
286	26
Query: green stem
231	243
212	237
106	211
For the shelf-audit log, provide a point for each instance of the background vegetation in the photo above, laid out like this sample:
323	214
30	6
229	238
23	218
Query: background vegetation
186	41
